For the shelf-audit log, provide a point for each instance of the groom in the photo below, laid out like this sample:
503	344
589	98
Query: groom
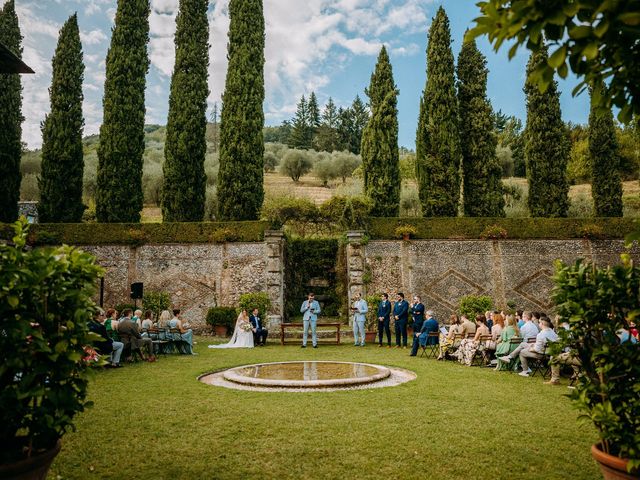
310	309
259	333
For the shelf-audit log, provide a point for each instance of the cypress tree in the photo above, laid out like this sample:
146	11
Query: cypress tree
184	187
119	182
437	137
606	184
240	180
483	195
380	157
314	111
10	118
546	147
62	159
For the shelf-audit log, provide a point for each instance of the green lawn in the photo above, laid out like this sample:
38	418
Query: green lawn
156	421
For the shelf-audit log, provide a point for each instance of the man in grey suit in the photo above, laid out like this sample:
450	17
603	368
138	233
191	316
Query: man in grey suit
310	309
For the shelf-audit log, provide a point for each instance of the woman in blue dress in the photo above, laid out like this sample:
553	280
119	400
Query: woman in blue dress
186	334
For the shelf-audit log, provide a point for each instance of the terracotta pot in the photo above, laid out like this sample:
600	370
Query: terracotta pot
32	468
612	467
370	337
405	236
220	330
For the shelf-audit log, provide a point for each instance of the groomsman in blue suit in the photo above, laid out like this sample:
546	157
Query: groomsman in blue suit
310	309
400	314
384	317
417	314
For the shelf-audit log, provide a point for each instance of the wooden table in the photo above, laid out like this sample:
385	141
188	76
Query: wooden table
284	326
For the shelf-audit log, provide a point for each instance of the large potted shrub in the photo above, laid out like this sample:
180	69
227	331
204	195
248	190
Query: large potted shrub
45	304
222	320
371	324
597	303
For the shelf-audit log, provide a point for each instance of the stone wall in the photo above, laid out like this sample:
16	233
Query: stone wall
443	271
196	276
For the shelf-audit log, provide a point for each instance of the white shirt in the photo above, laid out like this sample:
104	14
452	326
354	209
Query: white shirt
546	335
529	330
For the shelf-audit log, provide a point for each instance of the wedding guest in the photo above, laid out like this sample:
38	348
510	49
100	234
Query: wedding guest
528	329
400	315
416	308
107	346
467	327
147	323
518	318
468	346
111	324
384	317
504	346
532	350
130	335
186	334
137	318
496	330
310	309
165	318
359	309
422	338
447	341
259	333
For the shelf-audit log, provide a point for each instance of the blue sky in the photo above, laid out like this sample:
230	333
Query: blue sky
329	46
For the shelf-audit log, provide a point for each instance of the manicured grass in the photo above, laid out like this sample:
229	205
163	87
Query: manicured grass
155	421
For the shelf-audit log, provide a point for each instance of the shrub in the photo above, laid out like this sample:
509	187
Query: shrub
344	164
505	157
346	212
325	170
270	161
210	203
259	300
29	190
592	231
279	211
222	316
410	205
156	301
45	304
472	305
371	316
295	164
493	232
403	231
124	306
408	166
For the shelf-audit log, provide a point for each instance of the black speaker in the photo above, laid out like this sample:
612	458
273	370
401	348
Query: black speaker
136	290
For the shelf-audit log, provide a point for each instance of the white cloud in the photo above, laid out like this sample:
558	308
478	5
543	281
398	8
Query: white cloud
94	37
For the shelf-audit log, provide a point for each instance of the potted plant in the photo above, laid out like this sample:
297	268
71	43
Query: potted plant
222	320
405	231
598	303
371	324
45	304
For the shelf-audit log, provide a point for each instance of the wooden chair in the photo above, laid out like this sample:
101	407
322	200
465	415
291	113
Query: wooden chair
159	341
457	338
511	367
480	356
131	351
178	343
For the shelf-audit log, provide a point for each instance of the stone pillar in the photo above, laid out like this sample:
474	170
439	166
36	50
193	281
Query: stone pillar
355	264
274	243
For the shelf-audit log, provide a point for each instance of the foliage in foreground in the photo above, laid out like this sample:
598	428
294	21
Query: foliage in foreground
472	305
597	303
45	304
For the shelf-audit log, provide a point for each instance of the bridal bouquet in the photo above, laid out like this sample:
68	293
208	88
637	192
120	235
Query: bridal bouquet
247	327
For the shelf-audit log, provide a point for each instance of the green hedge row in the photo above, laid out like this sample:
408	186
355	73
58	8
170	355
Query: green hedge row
140	233
487	228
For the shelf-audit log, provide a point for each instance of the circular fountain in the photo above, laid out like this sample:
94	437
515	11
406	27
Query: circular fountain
307	375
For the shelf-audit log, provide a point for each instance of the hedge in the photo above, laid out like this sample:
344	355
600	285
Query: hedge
140	233
515	228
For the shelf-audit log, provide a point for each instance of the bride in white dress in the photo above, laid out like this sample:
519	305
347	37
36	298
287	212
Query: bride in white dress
242	335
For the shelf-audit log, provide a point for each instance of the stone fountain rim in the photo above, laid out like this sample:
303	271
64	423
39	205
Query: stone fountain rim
230	375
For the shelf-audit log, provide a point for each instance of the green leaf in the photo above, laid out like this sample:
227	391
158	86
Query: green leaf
558	57
601	29
13	301
590	51
630	18
571	9
579	32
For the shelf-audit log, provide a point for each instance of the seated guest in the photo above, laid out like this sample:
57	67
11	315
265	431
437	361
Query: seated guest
259	334
496	330
107	346
111	324
130	335
504	346
533	350
520	318
467	327
137	318
422	337
469	346
165	318
186	334
147	323
446	341
535	318
528	329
